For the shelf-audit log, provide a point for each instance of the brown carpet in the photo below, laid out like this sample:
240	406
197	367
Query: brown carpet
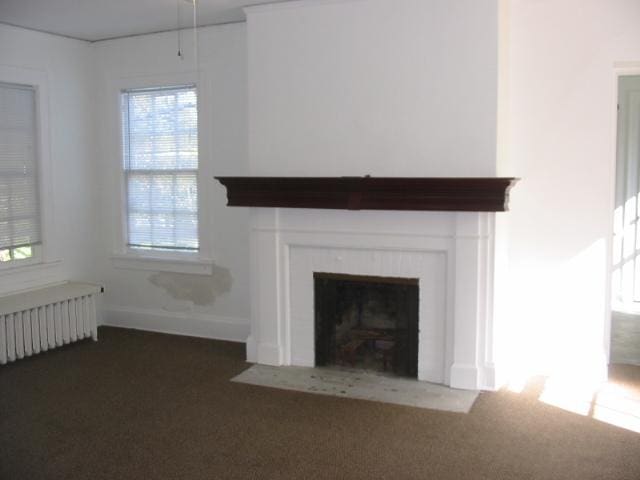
147	406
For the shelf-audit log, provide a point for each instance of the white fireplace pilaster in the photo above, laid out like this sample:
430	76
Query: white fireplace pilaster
450	253
473	283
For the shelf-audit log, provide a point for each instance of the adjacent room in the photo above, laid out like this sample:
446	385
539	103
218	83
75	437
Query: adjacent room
320	239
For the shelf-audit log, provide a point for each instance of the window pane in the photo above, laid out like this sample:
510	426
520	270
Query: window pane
161	129
140	229
160	142
22	253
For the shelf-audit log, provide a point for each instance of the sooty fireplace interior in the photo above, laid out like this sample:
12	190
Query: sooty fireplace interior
367	322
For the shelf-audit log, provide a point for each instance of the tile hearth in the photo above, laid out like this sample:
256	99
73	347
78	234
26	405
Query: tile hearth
360	384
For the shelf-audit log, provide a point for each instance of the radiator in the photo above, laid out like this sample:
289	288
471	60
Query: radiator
39	320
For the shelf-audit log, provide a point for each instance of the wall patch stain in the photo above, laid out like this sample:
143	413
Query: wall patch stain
200	289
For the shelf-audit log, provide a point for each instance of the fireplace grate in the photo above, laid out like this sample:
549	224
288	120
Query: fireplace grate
367	322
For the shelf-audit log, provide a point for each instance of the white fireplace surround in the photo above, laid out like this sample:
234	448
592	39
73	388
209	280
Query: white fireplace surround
450	253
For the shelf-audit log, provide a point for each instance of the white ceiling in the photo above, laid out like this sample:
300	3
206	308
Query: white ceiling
102	19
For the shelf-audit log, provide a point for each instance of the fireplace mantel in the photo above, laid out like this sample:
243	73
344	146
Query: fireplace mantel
463	194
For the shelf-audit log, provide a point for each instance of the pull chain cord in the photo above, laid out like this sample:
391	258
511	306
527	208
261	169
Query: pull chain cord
195	33
179	31
195	30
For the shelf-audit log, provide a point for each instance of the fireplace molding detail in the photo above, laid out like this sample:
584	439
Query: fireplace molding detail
450	253
462	194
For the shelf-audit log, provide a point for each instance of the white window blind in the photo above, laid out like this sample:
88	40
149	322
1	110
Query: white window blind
19	199
160	143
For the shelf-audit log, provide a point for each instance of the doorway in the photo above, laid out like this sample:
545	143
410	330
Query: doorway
625	322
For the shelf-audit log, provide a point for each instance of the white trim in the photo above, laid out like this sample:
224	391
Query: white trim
465	376
271	7
489	379
251	349
622	69
190	324
15	268
205	186
451	254
169	263
270	354
394	234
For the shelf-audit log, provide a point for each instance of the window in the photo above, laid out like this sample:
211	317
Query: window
20	229
160	152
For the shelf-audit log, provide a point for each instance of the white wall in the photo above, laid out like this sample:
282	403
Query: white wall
380	87
206	305
563	59
65	67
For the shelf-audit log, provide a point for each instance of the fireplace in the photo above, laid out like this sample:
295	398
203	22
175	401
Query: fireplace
449	253
366	322
438	231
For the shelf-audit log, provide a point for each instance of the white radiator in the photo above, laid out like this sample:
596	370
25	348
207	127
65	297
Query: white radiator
39	320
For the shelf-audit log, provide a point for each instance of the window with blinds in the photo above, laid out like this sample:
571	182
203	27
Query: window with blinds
20	229
160	152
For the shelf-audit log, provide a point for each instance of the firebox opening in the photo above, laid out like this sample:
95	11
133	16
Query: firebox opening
367	322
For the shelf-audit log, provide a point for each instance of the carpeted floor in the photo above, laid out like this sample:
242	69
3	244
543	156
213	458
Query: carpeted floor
148	406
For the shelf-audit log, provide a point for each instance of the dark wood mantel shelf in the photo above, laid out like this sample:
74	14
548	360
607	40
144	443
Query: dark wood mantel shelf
463	194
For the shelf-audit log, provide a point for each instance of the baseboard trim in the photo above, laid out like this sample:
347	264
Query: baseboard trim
252	350
189	324
269	354
464	377
489	377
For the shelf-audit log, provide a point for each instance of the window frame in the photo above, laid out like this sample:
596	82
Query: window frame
47	252
195	262
129	172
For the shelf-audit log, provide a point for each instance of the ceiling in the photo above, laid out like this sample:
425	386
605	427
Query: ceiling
103	19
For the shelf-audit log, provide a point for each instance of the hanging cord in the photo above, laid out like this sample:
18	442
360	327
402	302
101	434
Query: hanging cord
179	30
195	33
194	4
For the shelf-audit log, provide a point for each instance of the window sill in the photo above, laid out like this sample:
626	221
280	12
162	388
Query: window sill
13	268
158	263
